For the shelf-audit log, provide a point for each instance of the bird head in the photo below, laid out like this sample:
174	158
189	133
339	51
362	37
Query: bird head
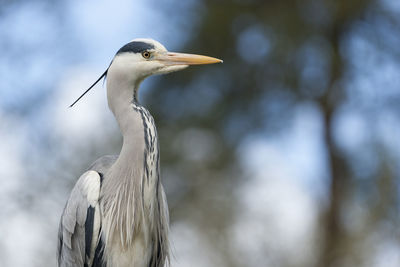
145	57
141	58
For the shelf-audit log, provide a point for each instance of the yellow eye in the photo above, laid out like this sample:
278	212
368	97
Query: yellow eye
146	54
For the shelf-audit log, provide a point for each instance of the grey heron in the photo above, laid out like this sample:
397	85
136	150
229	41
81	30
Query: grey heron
117	213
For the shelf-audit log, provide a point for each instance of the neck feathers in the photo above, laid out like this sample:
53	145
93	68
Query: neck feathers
133	202
123	184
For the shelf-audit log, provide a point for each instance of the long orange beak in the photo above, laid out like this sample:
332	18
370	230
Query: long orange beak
171	58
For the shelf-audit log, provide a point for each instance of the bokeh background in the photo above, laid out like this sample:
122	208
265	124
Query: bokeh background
287	154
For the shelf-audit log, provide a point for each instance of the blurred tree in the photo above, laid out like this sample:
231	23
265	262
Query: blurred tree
276	54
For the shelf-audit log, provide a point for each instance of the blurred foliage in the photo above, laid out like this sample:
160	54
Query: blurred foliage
276	55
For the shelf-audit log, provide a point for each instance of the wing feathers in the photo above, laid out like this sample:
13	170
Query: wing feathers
89	230
78	233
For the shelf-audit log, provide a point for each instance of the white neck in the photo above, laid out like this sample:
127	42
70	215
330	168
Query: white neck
122	188
132	188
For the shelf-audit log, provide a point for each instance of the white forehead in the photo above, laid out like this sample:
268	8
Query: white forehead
157	45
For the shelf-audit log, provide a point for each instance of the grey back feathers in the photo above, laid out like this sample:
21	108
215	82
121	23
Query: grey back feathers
104	163
75	248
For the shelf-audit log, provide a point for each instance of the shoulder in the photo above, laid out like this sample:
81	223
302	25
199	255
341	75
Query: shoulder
85	193
89	186
104	163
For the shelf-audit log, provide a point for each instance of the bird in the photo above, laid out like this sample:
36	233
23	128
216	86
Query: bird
117	213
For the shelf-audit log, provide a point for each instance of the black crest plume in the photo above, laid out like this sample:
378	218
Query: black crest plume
101	77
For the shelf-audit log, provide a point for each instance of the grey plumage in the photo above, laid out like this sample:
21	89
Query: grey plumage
71	246
117	213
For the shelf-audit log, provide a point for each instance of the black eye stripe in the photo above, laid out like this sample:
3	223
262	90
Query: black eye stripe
135	47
